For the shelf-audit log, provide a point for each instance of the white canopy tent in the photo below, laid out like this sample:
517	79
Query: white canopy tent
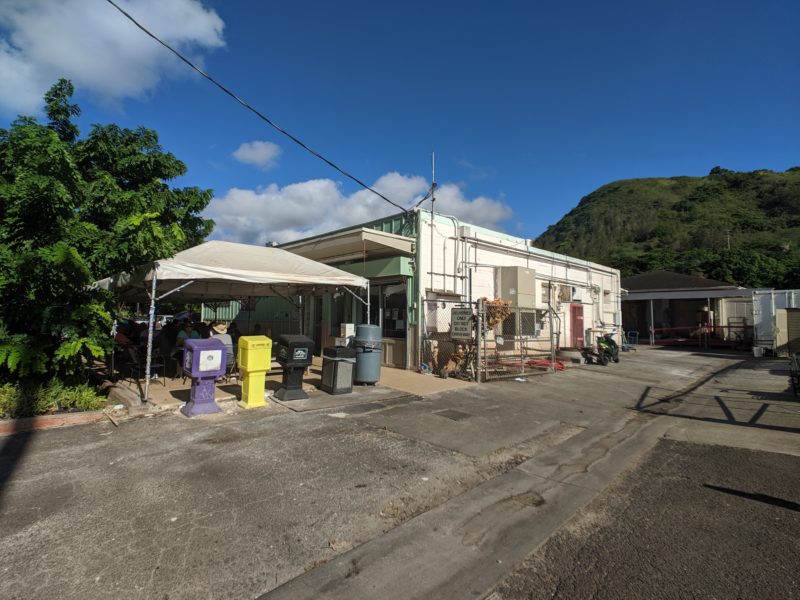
218	271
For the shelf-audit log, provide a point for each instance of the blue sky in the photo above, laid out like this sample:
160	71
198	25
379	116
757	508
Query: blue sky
528	105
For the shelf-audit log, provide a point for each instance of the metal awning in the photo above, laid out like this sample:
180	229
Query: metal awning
691	294
350	244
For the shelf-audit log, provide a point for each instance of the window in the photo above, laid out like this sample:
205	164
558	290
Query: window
388	309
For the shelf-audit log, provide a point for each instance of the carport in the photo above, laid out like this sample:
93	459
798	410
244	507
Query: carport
217	271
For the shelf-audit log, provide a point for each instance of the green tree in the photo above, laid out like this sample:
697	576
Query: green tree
60	110
73	211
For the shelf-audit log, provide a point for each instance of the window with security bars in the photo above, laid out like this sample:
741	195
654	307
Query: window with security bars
509	325
527	323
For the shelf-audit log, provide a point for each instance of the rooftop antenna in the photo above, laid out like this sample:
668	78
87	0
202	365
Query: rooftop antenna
433	179
433	201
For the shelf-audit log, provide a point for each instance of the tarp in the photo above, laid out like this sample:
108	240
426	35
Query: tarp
217	270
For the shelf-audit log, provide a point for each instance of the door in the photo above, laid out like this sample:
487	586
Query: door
576	325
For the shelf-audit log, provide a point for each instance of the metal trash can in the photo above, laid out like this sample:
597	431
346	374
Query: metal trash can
368	344
338	364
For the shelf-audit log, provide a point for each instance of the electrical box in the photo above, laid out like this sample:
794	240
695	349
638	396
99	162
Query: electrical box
347	330
437	316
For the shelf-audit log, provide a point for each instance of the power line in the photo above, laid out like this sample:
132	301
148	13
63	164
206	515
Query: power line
256	112
426	196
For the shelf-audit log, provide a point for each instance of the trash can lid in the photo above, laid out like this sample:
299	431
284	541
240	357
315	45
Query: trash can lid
338	352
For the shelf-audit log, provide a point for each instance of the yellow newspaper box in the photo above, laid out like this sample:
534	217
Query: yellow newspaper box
254	358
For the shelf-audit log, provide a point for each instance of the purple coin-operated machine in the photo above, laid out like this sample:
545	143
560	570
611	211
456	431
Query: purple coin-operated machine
204	362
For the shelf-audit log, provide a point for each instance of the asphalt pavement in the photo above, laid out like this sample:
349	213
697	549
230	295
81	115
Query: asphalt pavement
691	521
411	498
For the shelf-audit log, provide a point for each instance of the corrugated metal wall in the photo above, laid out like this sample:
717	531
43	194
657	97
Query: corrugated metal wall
270	316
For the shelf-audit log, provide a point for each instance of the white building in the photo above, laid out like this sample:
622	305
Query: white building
418	265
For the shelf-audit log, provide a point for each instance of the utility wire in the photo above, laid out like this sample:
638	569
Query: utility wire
250	108
426	196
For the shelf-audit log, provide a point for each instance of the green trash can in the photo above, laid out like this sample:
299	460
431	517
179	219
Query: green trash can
368	344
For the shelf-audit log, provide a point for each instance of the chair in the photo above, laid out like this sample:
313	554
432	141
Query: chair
231	367
629	340
136	365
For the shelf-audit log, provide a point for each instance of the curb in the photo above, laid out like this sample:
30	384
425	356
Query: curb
12	426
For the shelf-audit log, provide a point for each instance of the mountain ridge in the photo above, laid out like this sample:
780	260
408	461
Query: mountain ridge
740	227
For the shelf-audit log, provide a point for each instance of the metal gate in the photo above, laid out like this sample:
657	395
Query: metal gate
488	340
516	341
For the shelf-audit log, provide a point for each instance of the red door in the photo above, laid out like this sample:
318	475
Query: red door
576	325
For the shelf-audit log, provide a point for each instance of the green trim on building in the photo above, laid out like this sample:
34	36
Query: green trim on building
381	267
399	224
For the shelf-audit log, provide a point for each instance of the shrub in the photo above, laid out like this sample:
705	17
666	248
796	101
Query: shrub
81	397
27	399
9	399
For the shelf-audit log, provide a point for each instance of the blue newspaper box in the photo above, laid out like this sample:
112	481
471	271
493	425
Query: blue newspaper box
204	362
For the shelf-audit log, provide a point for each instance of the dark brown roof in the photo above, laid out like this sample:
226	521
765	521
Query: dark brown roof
667	280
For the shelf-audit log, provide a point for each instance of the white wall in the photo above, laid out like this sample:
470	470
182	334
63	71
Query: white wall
447	266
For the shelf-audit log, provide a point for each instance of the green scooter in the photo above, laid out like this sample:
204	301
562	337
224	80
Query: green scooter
606	351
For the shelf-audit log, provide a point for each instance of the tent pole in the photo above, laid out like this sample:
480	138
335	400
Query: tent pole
150	324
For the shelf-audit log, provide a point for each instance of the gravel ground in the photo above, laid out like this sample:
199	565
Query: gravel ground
691	521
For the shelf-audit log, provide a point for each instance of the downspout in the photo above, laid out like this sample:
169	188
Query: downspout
418	288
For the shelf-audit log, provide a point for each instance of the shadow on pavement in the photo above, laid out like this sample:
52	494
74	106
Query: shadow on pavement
779	502
728	420
11	453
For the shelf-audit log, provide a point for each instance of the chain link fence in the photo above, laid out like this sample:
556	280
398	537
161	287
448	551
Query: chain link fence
487	340
449	342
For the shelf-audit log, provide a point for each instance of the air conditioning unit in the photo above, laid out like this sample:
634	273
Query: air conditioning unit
517	285
578	294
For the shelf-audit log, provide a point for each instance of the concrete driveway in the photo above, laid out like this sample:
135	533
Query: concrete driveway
410	498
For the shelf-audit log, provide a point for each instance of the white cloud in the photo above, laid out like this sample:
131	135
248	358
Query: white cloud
94	45
282	214
264	155
482	210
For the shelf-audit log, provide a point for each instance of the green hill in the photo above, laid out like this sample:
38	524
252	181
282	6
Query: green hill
738	227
